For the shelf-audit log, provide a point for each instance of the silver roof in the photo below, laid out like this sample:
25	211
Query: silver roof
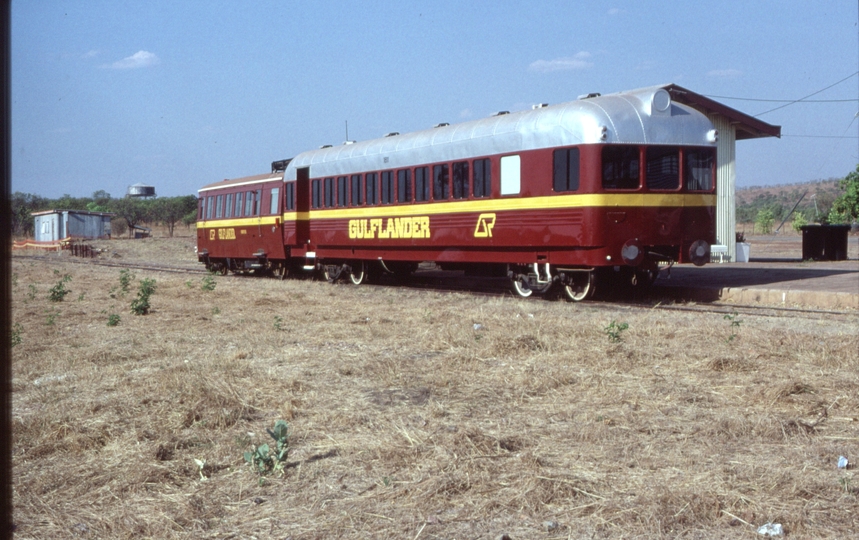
643	116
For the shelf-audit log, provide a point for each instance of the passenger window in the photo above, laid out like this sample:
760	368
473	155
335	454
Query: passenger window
460	180
219	211
342	188
315	196
440	184
698	168
228	208
290	196
209	207
422	184
511	175
372	184
387	187
239	204
662	170
482	178
620	167
275	193
404	185
565	171
356	190
258	202
249	203
329	192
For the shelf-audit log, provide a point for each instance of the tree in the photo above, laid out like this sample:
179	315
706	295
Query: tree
133	211
22	205
845	208
170	210
765	220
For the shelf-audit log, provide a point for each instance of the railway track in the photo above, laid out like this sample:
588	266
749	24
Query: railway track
441	281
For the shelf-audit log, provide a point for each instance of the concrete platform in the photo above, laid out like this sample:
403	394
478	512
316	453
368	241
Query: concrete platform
783	283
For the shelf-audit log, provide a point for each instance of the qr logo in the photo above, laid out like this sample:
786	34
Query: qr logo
485	224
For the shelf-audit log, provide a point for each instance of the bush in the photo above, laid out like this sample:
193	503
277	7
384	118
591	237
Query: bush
140	305
765	220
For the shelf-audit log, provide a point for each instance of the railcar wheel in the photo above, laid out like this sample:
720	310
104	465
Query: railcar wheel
520	286
357	273
581	288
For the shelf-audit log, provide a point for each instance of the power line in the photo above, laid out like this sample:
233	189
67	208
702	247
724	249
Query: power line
785	100
808	96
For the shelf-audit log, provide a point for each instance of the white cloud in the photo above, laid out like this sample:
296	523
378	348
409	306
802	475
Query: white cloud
724	73
90	54
616	11
579	61
140	59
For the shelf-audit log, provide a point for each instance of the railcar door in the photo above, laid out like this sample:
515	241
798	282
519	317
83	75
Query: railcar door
302	206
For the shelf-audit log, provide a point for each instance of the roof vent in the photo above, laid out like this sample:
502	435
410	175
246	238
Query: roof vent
442	124
348	142
540	106
325	146
589	96
392	134
500	113
278	166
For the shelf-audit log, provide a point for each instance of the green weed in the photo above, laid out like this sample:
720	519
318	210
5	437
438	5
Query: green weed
140	305
265	460
735	325
15	335
58	292
615	330
208	283
113	319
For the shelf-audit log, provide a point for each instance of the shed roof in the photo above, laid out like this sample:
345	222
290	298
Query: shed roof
83	212
748	127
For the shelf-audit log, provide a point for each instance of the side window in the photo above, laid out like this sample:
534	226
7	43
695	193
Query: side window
315	198
275	194
239	204
290	196
699	168
329	192
565	170
511	175
440	184
460	180
620	167
228	209
209	207
249	203
422	184
372	183
662	168
219	211
482	183
201	208
342	190
356	190
387	191
404	185
257	202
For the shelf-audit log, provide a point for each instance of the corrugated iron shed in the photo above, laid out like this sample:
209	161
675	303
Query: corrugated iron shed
54	225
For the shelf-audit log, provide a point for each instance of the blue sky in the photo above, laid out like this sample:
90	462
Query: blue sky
178	94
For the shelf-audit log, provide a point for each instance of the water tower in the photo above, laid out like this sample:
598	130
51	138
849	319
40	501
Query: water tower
141	191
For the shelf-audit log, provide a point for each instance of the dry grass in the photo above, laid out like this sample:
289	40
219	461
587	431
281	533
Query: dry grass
407	422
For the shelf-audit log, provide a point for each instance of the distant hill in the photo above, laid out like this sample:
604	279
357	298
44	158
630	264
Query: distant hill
781	199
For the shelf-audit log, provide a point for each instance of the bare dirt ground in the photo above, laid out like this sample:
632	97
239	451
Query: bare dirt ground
416	414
